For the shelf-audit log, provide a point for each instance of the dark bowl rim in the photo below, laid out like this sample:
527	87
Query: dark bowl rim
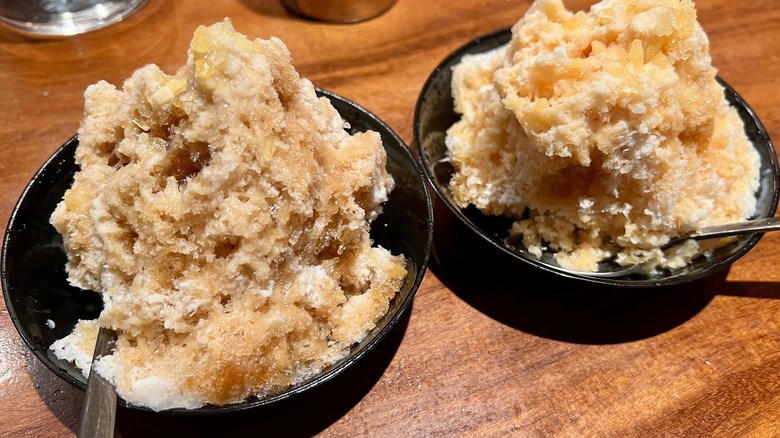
306	385
505	34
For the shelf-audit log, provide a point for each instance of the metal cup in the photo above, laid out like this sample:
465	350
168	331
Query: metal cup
339	11
53	18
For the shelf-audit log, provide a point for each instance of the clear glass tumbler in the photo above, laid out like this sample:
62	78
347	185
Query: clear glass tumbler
52	18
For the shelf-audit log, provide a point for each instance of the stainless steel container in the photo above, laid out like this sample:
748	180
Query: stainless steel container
339	11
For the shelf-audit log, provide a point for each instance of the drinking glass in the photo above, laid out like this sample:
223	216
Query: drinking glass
52	18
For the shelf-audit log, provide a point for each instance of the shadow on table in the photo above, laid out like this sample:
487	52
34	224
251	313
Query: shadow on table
550	306
62	399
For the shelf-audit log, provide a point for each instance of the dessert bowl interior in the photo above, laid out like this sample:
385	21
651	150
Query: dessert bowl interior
45	308
435	113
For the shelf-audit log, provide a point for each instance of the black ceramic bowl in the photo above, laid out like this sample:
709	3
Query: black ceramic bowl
33	258
434	114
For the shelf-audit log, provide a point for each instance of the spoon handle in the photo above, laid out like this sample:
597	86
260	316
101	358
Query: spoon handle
747	227
99	413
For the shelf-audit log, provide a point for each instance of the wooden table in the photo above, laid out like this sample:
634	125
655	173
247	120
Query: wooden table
487	350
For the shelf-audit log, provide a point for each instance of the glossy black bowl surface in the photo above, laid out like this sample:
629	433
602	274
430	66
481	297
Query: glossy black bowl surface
434	114
44	307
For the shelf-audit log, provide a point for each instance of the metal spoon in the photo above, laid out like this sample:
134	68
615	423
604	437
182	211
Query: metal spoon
99	413
609	269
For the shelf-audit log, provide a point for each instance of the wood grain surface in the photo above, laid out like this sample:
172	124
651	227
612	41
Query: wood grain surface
489	348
